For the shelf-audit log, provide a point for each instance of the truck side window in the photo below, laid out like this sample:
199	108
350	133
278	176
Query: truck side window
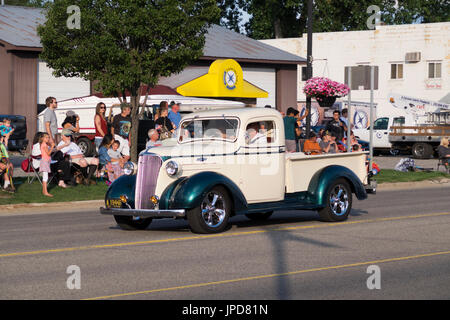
261	132
381	124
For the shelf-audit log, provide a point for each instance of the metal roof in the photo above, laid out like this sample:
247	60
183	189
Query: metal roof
224	43
18	27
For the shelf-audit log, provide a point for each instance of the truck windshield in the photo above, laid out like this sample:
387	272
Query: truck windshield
209	129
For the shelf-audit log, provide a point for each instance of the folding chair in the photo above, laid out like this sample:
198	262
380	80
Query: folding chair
31	168
441	162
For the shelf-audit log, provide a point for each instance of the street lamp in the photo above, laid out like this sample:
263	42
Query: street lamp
309	61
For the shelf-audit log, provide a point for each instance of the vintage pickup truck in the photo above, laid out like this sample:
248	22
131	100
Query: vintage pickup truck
229	162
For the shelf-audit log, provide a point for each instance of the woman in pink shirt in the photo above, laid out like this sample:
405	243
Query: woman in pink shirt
44	165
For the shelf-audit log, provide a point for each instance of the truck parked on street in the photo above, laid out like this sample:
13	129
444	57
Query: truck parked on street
230	162
417	130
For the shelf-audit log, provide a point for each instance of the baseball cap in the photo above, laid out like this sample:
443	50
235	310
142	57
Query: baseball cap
66	132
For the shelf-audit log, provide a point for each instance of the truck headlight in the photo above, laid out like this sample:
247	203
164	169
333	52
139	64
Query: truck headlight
128	168
172	168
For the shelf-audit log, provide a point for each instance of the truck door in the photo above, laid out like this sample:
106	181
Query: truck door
263	162
381	133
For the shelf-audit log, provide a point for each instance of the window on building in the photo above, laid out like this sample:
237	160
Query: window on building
434	70
397	71
304	74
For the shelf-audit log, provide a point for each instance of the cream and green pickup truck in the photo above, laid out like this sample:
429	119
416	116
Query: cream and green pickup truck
230	162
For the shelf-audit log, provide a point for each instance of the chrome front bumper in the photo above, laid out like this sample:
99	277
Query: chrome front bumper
144	213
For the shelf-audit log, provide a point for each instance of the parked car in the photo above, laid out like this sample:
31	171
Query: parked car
219	167
18	140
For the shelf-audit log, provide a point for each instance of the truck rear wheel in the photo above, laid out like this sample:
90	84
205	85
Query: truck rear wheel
338	202
213	213
422	150
132	223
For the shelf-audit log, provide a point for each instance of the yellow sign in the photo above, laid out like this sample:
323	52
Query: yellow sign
224	79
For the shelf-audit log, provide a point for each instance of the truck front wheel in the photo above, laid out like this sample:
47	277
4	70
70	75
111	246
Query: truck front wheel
213	213
338	202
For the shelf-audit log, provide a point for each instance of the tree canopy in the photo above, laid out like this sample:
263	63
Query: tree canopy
287	18
123	44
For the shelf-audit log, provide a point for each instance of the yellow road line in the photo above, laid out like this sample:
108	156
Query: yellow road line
225	234
197	285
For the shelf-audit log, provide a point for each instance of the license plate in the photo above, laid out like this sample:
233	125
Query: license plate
114	203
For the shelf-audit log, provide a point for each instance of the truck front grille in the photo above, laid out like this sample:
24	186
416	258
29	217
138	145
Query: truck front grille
147	176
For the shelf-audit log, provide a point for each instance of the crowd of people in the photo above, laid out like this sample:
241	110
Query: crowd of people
58	155
330	139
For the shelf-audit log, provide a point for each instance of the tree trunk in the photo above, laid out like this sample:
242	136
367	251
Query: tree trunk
134	127
277	28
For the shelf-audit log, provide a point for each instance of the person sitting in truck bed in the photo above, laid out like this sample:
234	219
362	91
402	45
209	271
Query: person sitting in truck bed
328	145
444	151
311	145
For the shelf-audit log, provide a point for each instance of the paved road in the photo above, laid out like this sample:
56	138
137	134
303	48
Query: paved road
290	256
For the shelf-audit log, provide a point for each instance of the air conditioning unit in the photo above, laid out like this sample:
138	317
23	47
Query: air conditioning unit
412	57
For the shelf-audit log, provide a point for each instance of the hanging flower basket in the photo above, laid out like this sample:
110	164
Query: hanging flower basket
325	102
325	90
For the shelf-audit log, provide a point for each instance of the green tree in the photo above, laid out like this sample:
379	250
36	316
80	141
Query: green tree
124	44
230	14
287	18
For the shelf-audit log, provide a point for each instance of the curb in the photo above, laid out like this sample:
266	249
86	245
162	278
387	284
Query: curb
49	207
435	183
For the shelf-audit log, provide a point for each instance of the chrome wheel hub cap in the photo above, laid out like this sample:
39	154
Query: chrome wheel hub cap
339	200
213	209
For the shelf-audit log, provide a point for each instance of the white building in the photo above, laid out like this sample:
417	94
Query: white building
412	60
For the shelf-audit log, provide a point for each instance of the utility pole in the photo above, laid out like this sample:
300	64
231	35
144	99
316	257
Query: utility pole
309	71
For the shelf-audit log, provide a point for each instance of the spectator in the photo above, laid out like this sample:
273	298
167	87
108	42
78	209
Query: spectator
162	105
88	166
115	155
354	145
60	164
121	130
5	131
100	123
71	122
50	122
311	146
444	151
336	126
6	169
154	139
327	145
164	125
44	166
344	118
113	171
174	115
290	122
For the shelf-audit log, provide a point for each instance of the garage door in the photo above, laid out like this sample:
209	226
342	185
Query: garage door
264	78
61	88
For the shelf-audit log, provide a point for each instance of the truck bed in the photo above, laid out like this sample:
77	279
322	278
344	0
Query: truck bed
300	168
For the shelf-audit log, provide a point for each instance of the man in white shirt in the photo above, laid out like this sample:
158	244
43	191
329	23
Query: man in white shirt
88	165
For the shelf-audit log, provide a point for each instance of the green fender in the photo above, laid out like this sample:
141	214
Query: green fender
124	185
322	180
188	192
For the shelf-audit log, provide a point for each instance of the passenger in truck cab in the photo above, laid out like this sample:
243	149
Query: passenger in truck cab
255	135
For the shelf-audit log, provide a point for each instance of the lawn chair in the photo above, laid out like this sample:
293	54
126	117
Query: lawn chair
28	167
442	162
